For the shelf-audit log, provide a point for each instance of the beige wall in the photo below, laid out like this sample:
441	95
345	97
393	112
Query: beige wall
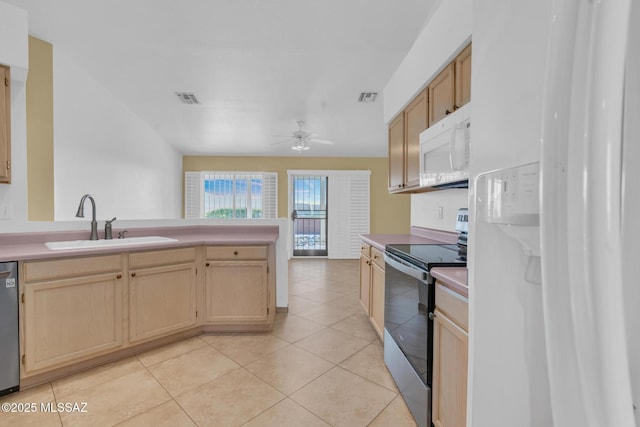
39	92
390	213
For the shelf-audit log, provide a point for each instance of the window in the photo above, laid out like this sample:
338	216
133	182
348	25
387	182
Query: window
219	195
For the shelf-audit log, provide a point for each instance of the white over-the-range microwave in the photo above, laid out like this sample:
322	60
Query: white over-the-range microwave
444	151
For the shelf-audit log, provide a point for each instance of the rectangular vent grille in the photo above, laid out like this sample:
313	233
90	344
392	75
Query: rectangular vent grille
188	97
368	96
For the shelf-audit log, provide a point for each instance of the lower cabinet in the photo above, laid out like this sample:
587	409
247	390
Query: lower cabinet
162	293
377	298
71	311
238	291
365	277
450	359
83	310
372	285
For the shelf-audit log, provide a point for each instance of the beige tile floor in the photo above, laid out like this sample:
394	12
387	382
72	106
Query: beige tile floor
321	365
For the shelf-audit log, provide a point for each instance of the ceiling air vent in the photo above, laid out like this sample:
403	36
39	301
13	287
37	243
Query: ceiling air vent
367	96
187	97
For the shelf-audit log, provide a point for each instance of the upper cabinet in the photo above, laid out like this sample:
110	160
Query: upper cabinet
415	119
447	92
5	125
396	154
442	93
404	145
463	77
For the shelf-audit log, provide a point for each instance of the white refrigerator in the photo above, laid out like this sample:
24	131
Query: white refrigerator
589	201
555	301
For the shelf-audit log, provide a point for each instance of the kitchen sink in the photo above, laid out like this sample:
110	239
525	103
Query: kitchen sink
88	244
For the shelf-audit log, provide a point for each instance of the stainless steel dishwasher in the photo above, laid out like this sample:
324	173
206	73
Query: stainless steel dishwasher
9	337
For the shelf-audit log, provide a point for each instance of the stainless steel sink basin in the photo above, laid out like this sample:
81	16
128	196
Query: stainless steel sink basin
88	244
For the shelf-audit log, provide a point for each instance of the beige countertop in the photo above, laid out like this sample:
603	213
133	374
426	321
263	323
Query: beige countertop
454	278
417	235
31	246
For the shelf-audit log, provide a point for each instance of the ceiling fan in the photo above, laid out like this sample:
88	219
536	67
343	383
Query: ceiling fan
301	139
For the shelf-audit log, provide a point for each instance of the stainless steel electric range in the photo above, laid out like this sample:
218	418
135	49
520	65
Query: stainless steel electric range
408	318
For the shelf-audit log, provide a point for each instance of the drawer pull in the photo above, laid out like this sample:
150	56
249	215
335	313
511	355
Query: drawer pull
119	276
133	274
235	252
207	264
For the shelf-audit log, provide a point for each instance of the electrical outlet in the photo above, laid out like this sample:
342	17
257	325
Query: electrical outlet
5	212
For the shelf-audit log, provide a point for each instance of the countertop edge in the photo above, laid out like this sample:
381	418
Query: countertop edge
33	247
454	278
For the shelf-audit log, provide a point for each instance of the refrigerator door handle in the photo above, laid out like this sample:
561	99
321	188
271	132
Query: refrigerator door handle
580	204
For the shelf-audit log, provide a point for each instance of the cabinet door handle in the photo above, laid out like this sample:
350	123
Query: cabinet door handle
235	252
207	264
447	111
133	274
119	276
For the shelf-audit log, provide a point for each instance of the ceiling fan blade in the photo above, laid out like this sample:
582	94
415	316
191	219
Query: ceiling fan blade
321	141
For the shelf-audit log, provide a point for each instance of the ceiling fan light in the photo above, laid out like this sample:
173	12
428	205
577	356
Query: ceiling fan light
300	147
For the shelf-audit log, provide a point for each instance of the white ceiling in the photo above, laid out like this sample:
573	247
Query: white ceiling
257	66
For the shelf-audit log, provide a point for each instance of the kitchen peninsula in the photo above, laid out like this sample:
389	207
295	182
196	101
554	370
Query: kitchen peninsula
83	307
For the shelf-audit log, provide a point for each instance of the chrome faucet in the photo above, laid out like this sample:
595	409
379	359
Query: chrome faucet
108	230
94	223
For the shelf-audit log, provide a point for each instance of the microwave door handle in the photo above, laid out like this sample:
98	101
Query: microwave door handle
405	268
454	149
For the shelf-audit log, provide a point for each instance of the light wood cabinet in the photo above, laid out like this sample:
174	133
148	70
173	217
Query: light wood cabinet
463	77
365	277
162	293
71	311
372	286
5	124
450	359
396	154
238	292
404	145
377	298
79	312
447	92
416	121
442	95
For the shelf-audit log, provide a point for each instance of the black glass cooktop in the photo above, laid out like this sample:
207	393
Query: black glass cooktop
428	256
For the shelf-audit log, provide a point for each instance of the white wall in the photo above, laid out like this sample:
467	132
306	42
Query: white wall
14	52
425	208
102	148
508	373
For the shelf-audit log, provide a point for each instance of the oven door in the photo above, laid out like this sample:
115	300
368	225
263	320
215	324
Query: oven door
408	324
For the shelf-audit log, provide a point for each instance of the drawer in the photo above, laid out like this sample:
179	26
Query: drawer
365	249
377	257
70	267
236	252
454	305
156	258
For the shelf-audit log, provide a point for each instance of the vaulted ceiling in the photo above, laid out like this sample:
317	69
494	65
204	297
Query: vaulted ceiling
256	66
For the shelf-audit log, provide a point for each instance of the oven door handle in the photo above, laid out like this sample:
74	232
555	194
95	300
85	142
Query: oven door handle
405	267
